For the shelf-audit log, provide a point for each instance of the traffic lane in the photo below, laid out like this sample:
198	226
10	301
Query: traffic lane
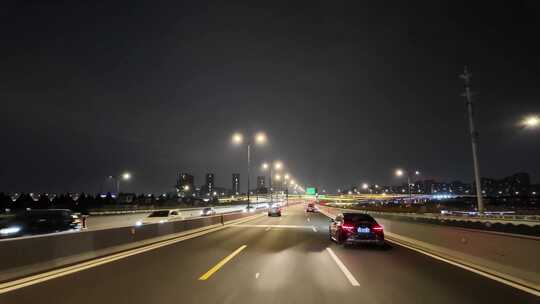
400	274
283	265
286	264
158	276
112	221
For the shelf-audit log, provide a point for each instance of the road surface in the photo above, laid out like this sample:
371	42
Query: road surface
271	260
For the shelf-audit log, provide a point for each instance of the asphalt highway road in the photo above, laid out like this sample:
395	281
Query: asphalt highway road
287	259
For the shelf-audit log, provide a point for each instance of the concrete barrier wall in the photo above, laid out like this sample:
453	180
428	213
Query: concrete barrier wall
112	220
514	257
30	255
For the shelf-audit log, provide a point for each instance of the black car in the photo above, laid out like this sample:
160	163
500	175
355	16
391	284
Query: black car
356	228
40	221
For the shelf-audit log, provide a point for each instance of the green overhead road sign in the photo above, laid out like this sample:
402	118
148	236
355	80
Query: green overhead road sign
311	191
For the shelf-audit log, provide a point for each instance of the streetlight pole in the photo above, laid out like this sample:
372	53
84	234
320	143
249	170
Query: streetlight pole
124	176
260	138
409	184
248	169
270	185
400	172
474	139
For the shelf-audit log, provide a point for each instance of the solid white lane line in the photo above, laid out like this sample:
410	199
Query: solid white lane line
257	275
484	272
314	228
343	268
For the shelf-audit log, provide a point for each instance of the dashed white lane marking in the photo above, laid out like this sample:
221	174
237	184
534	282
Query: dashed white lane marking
268	228
257	275
308	219
314	228
343	268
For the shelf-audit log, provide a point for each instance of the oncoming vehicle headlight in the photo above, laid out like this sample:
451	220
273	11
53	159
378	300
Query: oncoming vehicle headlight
10	230
138	223
162	221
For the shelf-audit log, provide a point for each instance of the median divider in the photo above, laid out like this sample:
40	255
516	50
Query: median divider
507	258
28	256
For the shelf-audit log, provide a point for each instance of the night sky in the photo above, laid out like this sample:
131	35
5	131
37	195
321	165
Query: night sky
346	90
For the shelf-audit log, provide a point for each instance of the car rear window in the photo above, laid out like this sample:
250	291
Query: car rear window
36	214
159	213
358	217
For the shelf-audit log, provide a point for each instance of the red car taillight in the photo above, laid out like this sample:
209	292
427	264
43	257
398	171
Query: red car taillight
348	227
377	228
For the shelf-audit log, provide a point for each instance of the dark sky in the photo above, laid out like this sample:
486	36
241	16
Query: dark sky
346	90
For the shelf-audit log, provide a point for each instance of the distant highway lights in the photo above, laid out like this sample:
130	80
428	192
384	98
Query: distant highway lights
276	165
259	138
286	178
237	138
401	173
365	186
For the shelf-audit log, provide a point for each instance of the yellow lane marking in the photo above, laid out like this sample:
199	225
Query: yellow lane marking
214	269
53	274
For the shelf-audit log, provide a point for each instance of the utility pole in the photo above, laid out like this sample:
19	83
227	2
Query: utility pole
466	76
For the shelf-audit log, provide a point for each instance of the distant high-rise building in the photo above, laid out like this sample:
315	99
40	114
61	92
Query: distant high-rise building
185	182
261	185
260	182
209	186
236	183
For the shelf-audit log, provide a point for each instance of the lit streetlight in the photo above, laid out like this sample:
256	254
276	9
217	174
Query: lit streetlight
124	177
365	186
259	139
532	121
400	173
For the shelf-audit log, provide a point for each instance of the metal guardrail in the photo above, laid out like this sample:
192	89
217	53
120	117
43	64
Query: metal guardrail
529	220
